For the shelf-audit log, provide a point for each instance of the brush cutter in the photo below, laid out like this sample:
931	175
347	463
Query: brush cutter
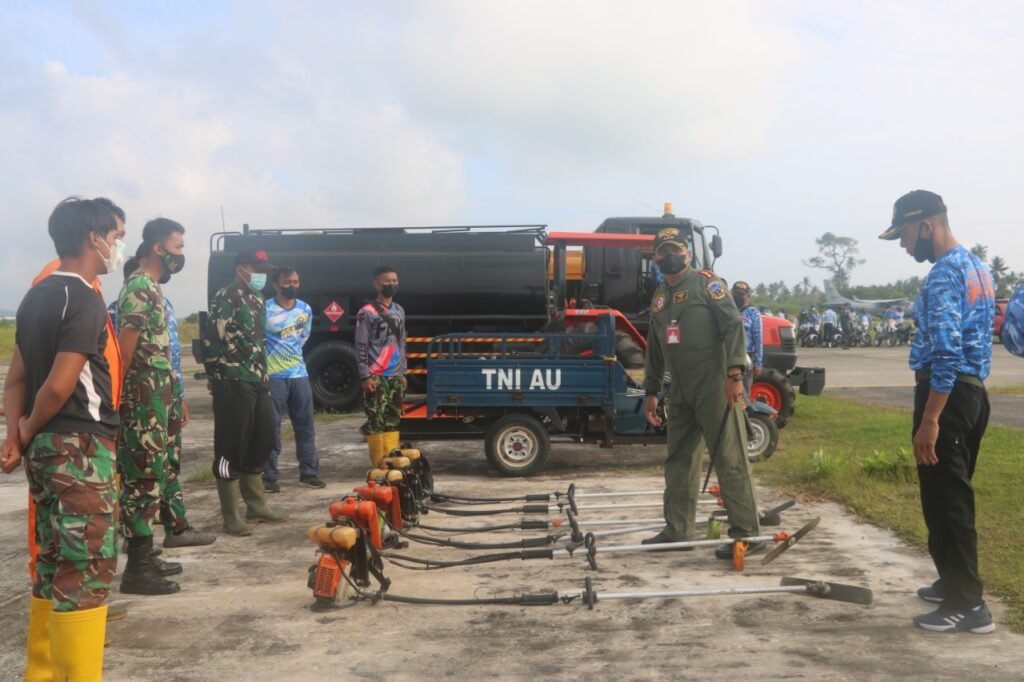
592	550
771	517
819	589
570	493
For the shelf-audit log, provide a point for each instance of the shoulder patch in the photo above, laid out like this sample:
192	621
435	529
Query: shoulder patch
680	296
658	304
716	290
707	274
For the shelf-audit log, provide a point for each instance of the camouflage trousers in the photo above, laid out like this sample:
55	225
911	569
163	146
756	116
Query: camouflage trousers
71	480
172	500
142	449
383	407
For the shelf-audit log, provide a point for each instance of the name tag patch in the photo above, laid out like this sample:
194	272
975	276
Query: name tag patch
680	296
672	334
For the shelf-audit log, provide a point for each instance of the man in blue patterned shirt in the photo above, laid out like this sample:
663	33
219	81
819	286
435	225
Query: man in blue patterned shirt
1012	334
289	323
950	356
752	330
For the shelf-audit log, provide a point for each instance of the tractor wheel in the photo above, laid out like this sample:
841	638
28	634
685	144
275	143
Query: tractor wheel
772	387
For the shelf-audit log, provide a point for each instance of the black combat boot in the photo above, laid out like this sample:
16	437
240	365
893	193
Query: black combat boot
141	575
164	568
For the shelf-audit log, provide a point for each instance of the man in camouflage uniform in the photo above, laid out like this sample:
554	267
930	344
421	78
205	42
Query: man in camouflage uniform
243	415
178	532
143	444
60	416
696	335
380	350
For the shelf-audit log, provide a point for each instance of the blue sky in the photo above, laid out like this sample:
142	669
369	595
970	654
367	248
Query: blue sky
774	121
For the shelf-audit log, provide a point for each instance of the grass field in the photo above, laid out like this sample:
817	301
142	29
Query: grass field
860	456
186	332
1007	390
6	340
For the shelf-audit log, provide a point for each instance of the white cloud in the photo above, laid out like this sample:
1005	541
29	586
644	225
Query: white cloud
776	121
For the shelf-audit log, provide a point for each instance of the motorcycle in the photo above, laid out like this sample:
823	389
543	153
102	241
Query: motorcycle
885	333
832	336
762	433
904	334
809	335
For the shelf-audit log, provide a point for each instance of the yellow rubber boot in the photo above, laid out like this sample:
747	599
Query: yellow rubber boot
390	442
39	668
76	644
375	444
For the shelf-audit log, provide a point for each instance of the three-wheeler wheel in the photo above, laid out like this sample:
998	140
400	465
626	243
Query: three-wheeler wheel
517	445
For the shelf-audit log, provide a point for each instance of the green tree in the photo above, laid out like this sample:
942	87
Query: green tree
981	251
1000	275
838	255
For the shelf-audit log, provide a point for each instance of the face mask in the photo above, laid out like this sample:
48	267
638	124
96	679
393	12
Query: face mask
257	280
389	290
924	249
290	292
115	255
173	263
741	301
672	264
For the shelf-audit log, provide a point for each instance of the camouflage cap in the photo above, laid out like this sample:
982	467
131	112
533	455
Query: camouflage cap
672	235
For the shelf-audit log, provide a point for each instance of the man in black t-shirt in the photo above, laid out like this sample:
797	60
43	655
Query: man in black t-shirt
61	420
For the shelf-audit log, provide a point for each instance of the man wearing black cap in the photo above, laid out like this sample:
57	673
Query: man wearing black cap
696	335
950	356
243	414
753	330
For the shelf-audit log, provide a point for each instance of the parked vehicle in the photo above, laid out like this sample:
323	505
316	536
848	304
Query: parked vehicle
481	279
570	386
997	322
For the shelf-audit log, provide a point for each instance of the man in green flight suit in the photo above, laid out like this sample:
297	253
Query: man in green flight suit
696	336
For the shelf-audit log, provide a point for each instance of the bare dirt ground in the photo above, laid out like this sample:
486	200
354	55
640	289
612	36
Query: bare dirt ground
243	612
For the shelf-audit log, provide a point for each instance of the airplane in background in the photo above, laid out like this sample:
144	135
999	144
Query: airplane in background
877	306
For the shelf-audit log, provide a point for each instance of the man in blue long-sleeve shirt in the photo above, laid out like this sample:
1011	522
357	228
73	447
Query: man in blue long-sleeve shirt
950	356
752	330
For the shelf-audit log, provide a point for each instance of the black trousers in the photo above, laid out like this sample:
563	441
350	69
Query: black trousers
243	428
947	497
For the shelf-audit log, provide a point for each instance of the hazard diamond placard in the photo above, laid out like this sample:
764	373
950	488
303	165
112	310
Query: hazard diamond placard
334	311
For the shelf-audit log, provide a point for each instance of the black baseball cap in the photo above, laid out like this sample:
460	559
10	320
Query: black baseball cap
256	258
672	235
915	205
741	286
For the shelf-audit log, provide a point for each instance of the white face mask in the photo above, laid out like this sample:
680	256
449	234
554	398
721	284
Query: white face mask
115	255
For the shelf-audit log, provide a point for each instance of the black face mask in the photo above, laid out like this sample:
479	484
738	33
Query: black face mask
924	249
290	292
741	301
672	264
388	290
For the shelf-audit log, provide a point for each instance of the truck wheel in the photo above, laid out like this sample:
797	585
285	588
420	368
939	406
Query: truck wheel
517	445
772	387
334	375
764	437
